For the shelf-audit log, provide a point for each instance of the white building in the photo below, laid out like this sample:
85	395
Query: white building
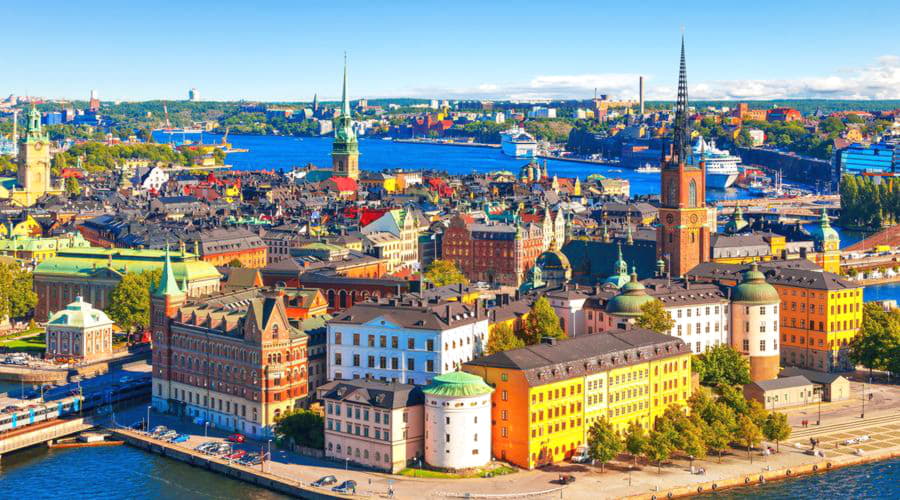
405	225
754	319
542	112
79	332
404	340
457	421
151	180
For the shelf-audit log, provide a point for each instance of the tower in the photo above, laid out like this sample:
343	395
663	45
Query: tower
684	231
754	323
165	301
33	174
827	244
345	150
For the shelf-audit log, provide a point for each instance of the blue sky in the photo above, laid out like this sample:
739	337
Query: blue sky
274	50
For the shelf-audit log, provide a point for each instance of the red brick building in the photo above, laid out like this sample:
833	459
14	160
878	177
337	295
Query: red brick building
233	359
783	115
492	251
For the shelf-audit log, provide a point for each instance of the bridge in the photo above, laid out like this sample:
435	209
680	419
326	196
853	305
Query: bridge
43	432
889	237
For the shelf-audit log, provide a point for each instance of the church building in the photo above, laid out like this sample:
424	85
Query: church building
32	180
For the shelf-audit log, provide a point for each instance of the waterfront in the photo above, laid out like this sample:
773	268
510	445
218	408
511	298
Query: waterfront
871	481
120	472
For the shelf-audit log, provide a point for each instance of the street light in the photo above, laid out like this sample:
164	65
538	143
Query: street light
863	415
206	428
148	417
269	455
819	419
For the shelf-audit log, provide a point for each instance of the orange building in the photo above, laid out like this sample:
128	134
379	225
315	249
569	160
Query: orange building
221	246
305	303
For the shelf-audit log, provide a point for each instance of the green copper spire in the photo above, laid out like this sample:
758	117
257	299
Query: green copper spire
345	104
344	138
167	284
33	132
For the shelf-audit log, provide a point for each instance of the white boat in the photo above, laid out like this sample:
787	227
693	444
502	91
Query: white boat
648	169
721	165
518	143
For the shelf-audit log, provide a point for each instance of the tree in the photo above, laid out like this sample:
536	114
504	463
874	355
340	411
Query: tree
503	338
658	448
722	364
302	427
776	428
878	338
635	440
129	302
734	398
541	321
444	272
73	187
235	262
17	296
717	437
655	317
603	442
748	434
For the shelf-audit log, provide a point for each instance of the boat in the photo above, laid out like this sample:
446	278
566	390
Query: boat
721	165
518	143
648	169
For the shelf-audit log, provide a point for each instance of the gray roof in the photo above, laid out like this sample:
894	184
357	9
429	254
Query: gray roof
388	395
782	383
546	363
813	376
414	314
795	272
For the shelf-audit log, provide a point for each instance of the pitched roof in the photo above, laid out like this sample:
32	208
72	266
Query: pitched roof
782	383
387	395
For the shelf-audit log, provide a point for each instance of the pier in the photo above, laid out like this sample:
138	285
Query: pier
43	432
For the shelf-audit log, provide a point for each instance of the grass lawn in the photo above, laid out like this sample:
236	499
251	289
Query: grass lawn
29	331
497	471
32	345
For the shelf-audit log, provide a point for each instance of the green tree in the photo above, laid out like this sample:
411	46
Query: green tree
734	398
717	436
503	338
444	272
302	427
655	317
73	187
658	448
17	297
776	428
748	434
235	262
541	322
635	440
603	442
878	337
722	364
129	302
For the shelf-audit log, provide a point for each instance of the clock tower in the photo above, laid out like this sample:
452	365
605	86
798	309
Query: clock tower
345	149
33	174
684	232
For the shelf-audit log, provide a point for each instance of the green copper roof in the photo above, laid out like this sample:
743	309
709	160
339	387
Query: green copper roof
458	385
79	314
737	222
88	261
753	289
167	284
632	298
824	231
344	137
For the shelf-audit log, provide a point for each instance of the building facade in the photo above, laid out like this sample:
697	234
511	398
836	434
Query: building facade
492	252
221	246
79	332
457	421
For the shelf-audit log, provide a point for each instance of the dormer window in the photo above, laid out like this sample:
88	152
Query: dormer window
274	331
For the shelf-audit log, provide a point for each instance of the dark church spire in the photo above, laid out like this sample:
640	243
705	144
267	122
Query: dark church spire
682	138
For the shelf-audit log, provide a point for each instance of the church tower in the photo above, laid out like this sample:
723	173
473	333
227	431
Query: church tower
33	176
345	150
684	233
165	301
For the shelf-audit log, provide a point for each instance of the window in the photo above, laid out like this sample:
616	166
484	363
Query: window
692	194
337	337
395	342
371	341
504	395
746	345
355	339
429	344
410	364
411	343
762	345
429	365
337	358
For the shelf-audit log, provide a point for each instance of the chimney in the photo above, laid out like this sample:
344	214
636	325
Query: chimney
447	312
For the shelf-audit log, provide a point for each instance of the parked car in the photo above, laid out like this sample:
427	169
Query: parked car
565	479
345	487
205	446
236	455
863	438
180	438
581	455
236	438
325	481
250	459
223	449
167	435
159	429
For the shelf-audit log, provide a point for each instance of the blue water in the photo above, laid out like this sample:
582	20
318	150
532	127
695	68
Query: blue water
277	152
871	481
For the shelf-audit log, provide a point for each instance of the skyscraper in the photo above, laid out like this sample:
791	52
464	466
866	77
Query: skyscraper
345	150
683	235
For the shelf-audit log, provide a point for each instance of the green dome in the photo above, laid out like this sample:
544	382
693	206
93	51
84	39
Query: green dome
753	289
824	232
632	298
457	385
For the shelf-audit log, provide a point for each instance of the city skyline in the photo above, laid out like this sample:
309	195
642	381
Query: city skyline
287	53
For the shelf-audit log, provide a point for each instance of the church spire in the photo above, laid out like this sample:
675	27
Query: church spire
345	104
167	283
682	132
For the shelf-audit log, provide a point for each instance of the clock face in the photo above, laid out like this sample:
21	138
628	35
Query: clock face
694	218
38	145
670	218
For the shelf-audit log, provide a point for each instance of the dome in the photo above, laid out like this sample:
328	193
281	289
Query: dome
457	385
824	232
79	314
754	289
553	259
632	298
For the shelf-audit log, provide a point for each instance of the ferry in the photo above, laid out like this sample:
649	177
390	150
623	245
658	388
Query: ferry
518	143
721	165
648	169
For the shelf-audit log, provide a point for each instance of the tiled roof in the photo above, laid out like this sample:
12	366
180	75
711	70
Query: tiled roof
387	395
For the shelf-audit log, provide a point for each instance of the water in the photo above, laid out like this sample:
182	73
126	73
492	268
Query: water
870	481
277	152
114	472
882	292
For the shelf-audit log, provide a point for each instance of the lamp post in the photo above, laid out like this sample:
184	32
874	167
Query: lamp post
819	419
206	429
269	454
863	414
148	417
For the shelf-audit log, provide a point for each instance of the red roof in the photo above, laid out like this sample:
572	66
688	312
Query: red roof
344	183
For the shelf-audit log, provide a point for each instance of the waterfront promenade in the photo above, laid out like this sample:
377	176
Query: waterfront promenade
840	422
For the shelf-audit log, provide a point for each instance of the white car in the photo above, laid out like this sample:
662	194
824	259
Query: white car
862	439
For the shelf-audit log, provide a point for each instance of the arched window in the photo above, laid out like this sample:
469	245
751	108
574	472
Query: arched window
692	194
343	299
673	194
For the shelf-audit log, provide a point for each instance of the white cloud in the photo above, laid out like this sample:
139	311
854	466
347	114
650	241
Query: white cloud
879	80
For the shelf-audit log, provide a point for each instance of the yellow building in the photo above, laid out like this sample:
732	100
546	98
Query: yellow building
548	395
33	175
39	249
27	227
